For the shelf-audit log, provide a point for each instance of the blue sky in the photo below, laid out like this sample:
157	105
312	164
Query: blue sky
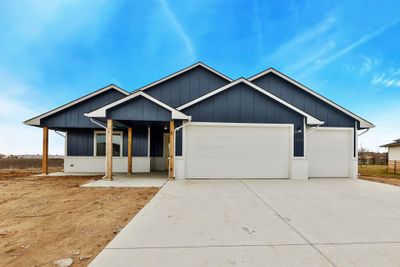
52	52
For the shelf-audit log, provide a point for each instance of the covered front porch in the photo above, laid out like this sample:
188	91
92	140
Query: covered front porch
133	135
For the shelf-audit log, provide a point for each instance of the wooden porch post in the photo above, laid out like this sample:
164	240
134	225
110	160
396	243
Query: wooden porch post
109	149
130	150
171	149
45	157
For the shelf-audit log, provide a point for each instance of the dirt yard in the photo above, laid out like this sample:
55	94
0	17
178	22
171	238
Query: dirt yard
44	219
378	173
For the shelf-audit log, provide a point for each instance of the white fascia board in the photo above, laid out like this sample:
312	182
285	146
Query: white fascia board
363	123
183	71
310	119
36	120
101	112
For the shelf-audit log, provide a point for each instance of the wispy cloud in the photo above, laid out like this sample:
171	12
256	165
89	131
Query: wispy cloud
305	38
179	28
387	79
348	48
359	42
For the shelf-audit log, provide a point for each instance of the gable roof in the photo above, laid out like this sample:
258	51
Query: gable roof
101	112
363	123
395	143
35	121
201	64
310	119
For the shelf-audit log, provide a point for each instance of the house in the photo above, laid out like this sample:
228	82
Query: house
199	123
393	156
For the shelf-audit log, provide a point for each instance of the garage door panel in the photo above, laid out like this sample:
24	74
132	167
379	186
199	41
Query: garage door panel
329	152
195	152
222	151
222	141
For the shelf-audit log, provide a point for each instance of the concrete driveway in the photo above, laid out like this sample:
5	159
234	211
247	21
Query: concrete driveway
319	222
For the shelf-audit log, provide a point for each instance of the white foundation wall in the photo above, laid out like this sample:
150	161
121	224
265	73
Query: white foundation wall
299	169
158	164
354	172
180	168
97	164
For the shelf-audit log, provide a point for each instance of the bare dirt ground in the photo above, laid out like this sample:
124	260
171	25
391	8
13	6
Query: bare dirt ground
44	219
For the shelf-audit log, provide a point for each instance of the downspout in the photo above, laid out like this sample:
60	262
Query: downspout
366	130
175	130
97	123
104	127
60	134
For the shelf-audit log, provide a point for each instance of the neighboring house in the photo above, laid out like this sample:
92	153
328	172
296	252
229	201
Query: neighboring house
198	123
393	156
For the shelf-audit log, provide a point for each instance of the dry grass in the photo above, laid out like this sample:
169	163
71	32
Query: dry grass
378	173
44	219
21	163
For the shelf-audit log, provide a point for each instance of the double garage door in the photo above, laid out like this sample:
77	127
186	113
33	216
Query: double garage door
224	150
238	150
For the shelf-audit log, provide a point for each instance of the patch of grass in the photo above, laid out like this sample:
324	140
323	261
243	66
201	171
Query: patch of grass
376	171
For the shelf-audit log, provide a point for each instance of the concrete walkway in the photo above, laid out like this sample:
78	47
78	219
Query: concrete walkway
321	222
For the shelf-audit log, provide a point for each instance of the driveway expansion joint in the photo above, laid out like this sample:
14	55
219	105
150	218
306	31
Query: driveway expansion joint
287	222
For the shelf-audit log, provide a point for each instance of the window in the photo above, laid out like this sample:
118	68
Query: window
100	144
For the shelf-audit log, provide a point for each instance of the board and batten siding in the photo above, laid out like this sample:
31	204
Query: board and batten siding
186	86
139	109
299	98
242	104
74	116
310	104
80	142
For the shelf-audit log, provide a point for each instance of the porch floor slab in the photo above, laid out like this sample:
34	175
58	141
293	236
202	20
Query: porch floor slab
136	180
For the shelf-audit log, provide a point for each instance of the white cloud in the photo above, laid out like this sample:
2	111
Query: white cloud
368	64
348	48
389	78
306	47
179	29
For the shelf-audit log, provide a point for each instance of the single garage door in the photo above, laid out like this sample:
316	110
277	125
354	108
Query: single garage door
224	150
329	152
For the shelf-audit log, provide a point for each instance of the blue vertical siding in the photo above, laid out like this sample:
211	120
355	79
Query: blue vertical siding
304	101
73	117
139	109
186	87
157	141
312	105
80	142
242	104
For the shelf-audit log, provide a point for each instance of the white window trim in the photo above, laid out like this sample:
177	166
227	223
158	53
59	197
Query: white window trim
95	133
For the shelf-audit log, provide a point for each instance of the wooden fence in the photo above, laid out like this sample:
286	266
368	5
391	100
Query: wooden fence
393	166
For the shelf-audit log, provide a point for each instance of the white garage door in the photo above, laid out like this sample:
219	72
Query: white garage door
329	152
225	150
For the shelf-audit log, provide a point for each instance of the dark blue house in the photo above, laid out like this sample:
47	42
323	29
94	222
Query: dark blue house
199	123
